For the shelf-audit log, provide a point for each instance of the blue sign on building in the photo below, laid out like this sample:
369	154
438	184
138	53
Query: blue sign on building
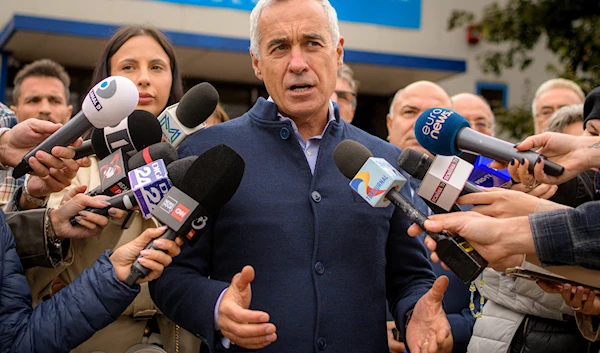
394	13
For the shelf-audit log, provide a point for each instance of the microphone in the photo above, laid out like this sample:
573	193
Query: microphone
182	119
107	103
118	182
485	176
417	164
210	183
443	131
148	192
352	159
85	150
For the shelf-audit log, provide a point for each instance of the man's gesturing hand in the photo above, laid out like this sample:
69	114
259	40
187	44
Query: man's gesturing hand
246	328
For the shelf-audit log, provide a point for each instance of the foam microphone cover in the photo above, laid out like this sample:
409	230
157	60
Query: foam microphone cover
214	177
144	130
414	163
197	104
444	142
178	168
162	150
349	156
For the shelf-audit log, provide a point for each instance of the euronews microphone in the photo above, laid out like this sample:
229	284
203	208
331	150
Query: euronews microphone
210	183
134	133
106	104
445	132
182	119
355	161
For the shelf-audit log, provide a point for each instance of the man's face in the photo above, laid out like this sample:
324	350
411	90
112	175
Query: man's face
411	102
298	60
344	97
551	101
477	113
42	97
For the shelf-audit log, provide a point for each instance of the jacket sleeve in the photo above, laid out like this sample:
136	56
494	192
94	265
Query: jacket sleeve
92	301
33	246
568	236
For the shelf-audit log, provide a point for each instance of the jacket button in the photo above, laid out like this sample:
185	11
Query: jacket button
284	133
316	196
319	268
321	343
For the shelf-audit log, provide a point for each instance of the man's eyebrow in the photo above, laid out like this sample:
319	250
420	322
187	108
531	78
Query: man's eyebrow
316	36
276	41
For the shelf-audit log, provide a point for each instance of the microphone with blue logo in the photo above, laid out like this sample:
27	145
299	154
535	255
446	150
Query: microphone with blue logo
182	119
378	182
106	104
487	177
444	132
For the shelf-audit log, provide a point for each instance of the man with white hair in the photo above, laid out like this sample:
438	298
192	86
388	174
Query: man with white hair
551	96
344	95
296	261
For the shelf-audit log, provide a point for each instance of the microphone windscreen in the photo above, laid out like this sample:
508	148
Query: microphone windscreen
161	150
436	130
197	104
144	129
178	168
214	177
414	163
349	156
591	106
99	144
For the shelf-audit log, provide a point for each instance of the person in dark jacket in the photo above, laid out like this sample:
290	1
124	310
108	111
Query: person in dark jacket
92	301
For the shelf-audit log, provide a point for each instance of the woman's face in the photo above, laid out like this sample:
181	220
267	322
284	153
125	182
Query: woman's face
143	61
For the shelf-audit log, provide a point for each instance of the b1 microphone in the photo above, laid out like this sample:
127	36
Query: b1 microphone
351	158
182	119
210	183
106	104
445	132
132	134
85	150
487	177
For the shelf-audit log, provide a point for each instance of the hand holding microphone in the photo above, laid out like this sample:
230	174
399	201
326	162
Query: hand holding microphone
106	104
445	132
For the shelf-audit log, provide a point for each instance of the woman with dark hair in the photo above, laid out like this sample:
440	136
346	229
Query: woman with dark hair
144	55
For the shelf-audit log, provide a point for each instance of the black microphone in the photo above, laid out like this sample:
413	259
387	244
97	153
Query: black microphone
107	103
209	184
443	131
182	119
417	164
134	133
350	157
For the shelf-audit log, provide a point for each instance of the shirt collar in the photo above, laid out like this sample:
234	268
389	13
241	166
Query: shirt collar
283	118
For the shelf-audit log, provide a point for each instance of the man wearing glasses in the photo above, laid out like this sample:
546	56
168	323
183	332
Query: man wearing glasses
345	93
551	96
476	110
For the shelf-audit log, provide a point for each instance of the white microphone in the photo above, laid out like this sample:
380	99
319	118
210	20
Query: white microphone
445	180
182	119
106	104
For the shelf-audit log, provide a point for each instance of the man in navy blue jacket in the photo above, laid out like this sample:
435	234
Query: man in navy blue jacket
321	259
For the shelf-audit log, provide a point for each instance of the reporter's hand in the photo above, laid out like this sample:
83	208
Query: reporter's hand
155	260
90	224
575	153
500	203
23	137
586	301
526	181
246	328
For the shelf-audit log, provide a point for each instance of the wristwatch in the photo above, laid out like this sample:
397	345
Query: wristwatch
40	202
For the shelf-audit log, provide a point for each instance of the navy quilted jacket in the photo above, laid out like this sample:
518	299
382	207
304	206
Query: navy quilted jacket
92	301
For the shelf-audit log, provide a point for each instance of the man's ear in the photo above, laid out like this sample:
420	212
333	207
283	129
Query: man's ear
388	122
340	52
70	109
256	67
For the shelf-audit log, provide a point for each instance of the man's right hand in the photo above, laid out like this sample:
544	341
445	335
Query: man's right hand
246	328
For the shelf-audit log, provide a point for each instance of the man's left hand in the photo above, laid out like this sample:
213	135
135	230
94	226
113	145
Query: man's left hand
428	330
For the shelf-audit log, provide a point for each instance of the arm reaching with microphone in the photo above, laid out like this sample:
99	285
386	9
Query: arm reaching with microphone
244	327
575	153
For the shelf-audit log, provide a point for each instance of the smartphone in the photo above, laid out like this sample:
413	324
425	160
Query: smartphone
532	275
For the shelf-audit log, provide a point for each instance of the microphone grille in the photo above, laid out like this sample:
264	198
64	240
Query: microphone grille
436	130
414	163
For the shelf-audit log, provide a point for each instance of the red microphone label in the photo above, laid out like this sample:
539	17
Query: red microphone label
180	212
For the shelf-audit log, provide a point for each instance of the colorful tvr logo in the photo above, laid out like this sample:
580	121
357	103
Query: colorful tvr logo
364	178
